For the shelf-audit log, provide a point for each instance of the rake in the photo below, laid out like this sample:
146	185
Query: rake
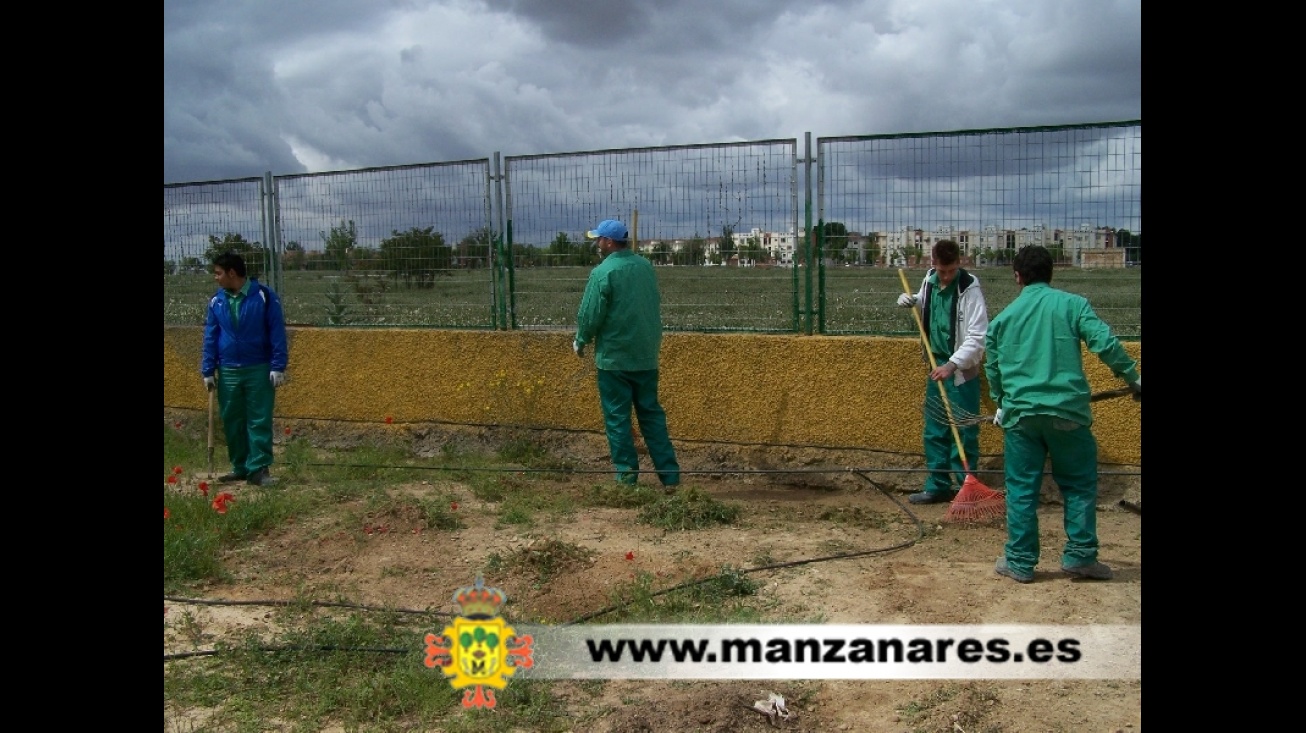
962	418
211	399
975	502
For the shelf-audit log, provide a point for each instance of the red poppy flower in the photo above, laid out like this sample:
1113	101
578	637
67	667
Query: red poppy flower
220	503
172	478
630	555
177	425
389	420
453	506
287	431
166	514
176	470
204	488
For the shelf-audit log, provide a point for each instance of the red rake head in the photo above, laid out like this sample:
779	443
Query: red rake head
976	503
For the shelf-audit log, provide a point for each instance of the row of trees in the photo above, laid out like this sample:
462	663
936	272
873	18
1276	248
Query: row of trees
414	258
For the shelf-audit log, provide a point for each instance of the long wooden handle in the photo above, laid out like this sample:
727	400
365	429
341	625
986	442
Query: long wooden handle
929	353
212	398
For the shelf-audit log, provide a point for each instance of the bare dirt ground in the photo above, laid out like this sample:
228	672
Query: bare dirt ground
943	574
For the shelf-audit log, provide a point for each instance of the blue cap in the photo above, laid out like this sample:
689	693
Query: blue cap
610	228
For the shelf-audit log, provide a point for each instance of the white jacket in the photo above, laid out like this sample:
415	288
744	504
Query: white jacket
971	321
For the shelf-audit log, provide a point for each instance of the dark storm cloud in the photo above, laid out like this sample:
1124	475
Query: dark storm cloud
299	86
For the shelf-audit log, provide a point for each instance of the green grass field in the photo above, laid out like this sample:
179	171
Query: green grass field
857	300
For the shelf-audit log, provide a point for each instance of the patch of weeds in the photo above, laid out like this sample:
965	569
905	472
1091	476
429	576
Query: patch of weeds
296	455
523	705
374	464
546	558
515	514
495	487
620	496
180	448
190	628
440	514
349	672
731	581
763	558
197	529
488	489
526	452
522	503
855	516
953	706
386	513
688	509
522	451
718	598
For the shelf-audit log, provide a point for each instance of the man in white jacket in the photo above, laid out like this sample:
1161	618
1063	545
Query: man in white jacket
956	319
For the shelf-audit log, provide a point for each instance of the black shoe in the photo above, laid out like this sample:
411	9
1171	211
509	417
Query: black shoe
1096	571
261	477
931	497
231	478
1002	568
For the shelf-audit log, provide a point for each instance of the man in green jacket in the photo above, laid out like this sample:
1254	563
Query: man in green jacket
1035	369
621	314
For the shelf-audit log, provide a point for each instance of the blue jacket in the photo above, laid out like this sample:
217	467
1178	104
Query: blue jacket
259	337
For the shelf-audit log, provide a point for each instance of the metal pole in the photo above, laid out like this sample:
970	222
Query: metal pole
807	224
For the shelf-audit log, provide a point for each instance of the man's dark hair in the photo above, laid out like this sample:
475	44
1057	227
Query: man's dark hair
946	252
230	261
1034	263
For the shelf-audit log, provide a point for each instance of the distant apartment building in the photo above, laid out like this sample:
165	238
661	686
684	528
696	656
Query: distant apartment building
779	246
1084	246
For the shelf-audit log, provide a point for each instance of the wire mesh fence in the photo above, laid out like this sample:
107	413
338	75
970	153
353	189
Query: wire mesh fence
199	221
459	245
699	207
1077	190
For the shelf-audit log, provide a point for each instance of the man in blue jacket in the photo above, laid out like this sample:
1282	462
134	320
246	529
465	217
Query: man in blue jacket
244	359
621	314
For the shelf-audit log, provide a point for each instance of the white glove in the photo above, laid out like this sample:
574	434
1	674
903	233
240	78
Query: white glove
277	379
210	383
997	417
579	348
1138	390
906	300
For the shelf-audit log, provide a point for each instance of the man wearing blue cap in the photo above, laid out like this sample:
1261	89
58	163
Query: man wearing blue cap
621	314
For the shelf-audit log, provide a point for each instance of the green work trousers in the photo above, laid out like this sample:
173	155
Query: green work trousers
947	472
619	391
246	399
1073	450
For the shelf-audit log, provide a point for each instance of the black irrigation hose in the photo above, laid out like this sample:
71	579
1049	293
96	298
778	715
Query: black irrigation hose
920	532
860	472
320	648
682	471
578	431
320	604
703	441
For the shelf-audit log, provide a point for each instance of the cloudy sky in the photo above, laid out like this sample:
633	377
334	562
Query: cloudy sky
296	86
